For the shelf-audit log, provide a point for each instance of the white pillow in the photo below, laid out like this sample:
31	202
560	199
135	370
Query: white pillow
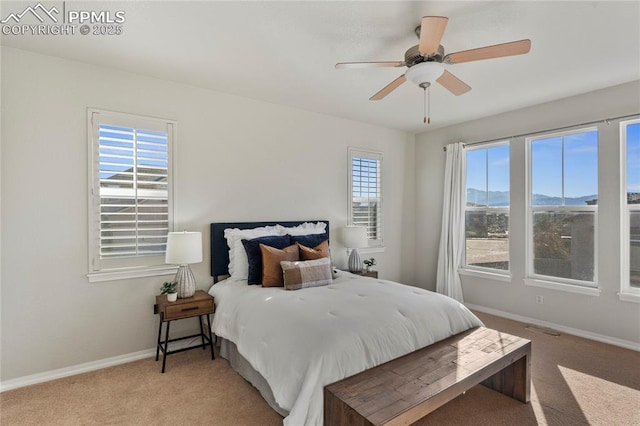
307	228
238	262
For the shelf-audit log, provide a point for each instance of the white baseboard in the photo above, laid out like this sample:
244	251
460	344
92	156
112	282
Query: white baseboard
89	366
147	353
75	369
569	330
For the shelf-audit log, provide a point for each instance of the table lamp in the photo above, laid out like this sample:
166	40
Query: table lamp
184	248
355	237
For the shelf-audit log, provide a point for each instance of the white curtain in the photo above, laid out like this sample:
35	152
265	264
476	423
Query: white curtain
452	232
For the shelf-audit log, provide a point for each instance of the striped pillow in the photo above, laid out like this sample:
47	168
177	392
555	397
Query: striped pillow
304	274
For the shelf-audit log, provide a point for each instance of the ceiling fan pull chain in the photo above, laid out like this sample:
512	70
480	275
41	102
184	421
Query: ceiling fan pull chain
427	104
424	103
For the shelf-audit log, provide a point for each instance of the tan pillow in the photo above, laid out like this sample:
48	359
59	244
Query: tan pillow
318	252
271	258
310	273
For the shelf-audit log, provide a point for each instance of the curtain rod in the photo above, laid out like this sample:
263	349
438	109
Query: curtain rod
606	120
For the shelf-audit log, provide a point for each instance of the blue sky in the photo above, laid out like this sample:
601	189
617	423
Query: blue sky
365	177
580	166
488	170
123	137
633	158
497	160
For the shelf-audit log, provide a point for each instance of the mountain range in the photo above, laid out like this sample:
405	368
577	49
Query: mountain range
501	198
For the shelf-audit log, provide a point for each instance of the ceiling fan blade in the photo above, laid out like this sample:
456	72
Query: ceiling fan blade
388	88
431	32
488	52
380	64
453	83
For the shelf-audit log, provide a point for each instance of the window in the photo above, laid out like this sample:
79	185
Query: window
487	208
365	193
130	194
563	197
630	139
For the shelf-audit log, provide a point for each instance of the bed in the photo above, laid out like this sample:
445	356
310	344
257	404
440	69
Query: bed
290	344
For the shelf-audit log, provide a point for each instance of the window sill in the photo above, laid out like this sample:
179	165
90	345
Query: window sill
589	291
486	274
627	296
123	274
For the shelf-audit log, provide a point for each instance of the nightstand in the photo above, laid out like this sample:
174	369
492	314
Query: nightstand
370	274
199	305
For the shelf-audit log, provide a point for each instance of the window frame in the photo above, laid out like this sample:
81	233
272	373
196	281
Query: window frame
135	266
627	292
500	274
547	281
374	243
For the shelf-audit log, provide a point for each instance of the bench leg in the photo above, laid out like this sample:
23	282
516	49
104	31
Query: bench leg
514	380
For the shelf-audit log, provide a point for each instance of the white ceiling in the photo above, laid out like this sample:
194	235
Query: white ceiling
285	52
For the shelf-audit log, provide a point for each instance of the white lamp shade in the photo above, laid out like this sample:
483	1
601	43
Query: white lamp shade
354	236
184	247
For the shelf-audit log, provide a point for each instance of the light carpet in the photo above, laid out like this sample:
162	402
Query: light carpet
575	381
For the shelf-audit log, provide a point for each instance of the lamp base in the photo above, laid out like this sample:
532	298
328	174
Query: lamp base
186	282
355	263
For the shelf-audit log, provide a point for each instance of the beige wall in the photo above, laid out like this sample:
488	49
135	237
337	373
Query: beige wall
604	315
238	160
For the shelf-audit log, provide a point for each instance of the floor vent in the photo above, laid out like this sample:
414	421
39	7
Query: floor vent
544	330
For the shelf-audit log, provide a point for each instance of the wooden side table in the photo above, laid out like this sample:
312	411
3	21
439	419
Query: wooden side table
370	274
199	305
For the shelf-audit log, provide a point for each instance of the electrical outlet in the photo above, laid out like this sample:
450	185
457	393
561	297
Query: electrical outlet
539	300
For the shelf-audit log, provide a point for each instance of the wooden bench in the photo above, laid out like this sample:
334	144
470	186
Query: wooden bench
406	389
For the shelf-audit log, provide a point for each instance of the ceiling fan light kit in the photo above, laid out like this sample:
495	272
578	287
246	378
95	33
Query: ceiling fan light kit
424	72
425	61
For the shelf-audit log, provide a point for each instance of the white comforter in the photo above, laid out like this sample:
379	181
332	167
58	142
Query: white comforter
300	341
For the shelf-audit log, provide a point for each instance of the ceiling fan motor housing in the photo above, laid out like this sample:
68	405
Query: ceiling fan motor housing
413	56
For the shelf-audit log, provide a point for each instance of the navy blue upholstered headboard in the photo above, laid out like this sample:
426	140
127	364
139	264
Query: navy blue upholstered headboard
220	250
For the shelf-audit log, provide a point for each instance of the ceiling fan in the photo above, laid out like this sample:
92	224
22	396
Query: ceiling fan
425	61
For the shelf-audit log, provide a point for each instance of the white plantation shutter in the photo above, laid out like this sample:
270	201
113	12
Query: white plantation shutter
365	192
131	190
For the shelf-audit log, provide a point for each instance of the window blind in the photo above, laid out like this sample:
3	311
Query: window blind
366	192
133	178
